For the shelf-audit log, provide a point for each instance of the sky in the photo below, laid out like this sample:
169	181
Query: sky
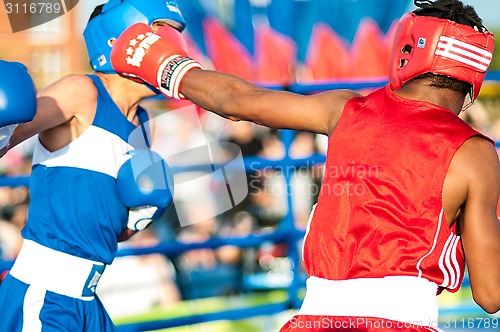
488	10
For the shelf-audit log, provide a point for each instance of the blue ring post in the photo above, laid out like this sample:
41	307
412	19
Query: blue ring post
288	222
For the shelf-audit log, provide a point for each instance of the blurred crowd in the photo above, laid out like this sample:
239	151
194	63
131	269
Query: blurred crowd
135	284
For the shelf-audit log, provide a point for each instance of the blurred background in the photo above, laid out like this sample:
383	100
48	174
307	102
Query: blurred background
269	42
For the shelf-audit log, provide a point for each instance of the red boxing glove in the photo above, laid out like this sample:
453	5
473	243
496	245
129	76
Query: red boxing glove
158	58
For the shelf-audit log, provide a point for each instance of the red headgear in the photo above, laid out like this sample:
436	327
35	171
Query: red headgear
440	47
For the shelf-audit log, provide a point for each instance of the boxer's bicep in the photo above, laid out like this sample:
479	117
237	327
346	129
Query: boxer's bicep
277	109
237	99
63	100
317	113
480	226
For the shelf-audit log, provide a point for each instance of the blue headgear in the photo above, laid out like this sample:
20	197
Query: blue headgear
118	15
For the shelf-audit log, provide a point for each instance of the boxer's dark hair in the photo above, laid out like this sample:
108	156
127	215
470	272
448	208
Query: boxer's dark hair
97	11
456	11
453	10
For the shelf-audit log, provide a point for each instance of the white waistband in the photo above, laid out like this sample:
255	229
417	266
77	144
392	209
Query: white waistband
398	298
56	271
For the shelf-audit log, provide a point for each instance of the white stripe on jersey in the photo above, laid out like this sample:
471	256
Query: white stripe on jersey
455	263
448	263
308	228
89	151
433	243
446	274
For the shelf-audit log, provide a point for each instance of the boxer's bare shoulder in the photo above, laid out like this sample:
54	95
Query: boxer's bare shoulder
65	109
72	85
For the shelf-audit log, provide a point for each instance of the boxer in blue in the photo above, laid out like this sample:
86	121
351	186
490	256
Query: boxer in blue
84	197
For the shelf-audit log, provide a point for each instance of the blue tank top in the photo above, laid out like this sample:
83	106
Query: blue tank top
74	205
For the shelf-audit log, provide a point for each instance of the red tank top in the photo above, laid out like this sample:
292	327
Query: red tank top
379	211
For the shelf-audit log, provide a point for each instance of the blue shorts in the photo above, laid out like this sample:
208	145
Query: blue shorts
24	306
48	290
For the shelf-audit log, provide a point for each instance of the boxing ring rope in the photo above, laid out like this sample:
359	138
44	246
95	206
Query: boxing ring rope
285	233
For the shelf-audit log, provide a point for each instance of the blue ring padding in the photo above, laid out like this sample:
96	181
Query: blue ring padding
256	163
173	248
315	158
357	85
14	181
236	314
351	85
493	75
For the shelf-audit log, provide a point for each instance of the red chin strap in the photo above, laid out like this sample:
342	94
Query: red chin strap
440	47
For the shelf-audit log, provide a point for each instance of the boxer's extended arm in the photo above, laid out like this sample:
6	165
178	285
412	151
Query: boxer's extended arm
480	226
236	99
57	104
161	60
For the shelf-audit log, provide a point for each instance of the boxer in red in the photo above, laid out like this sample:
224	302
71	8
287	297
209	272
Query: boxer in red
410	190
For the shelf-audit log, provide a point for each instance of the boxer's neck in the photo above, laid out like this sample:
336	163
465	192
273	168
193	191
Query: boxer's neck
126	93
446	98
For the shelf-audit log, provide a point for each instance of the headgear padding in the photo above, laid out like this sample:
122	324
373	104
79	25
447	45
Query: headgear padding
440	47
118	15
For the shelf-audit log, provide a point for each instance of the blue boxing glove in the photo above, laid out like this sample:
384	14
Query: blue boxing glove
145	185
17	99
